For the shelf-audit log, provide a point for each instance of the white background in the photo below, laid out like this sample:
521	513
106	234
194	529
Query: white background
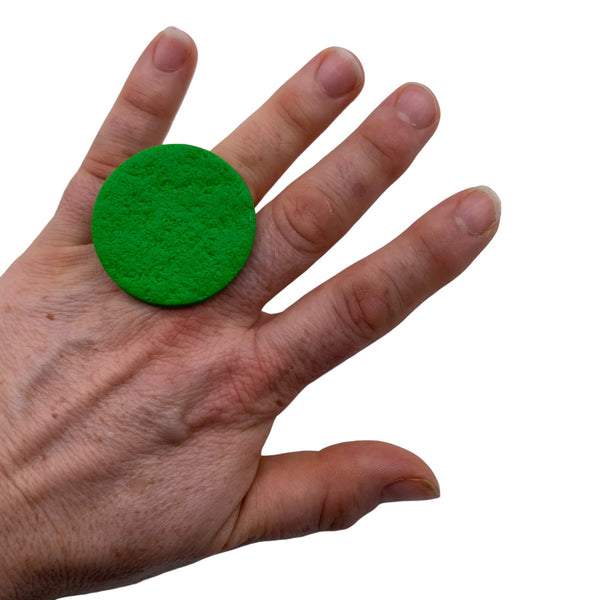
494	381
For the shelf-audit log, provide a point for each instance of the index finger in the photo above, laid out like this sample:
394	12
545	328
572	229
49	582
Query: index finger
141	117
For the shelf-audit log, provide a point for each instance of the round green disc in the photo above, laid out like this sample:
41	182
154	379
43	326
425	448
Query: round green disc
173	225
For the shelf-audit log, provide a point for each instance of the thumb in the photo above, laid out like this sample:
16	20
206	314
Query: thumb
304	492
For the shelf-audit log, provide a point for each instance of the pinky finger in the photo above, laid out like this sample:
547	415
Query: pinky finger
367	300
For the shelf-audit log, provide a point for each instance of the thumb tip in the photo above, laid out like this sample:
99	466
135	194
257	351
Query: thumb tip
410	489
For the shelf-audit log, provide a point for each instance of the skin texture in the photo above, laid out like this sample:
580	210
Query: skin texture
130	435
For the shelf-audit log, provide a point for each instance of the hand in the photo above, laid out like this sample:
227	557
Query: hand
131	435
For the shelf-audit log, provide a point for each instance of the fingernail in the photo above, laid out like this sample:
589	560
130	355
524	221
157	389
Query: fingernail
410	489
416	105
478	211
339	73
172	49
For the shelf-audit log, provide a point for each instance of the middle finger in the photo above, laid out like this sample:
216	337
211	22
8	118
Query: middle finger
267	143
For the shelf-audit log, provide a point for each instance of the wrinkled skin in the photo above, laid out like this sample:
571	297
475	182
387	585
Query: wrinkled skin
130	435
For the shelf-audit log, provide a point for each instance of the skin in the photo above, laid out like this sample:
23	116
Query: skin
130	435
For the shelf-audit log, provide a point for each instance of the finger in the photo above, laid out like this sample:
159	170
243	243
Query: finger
267	143
140	118
314	212
368	299
305	492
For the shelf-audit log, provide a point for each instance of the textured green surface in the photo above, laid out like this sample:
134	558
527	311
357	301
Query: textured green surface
173	225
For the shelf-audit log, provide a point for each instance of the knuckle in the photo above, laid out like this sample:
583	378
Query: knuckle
304	218
100	166
293	114
385	148
108	152
245	386
435	257
365	309
274	375
256	388
336	513
145	100
337	518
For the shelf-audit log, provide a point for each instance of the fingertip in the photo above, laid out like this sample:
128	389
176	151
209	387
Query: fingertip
478	211
417	105
410	489
172	50
339	72
397	473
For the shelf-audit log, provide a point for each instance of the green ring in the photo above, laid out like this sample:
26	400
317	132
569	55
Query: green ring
173	225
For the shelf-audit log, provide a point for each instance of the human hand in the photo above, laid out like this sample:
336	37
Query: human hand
131	435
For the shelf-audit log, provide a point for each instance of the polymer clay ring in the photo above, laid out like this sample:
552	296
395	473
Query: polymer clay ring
173	225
